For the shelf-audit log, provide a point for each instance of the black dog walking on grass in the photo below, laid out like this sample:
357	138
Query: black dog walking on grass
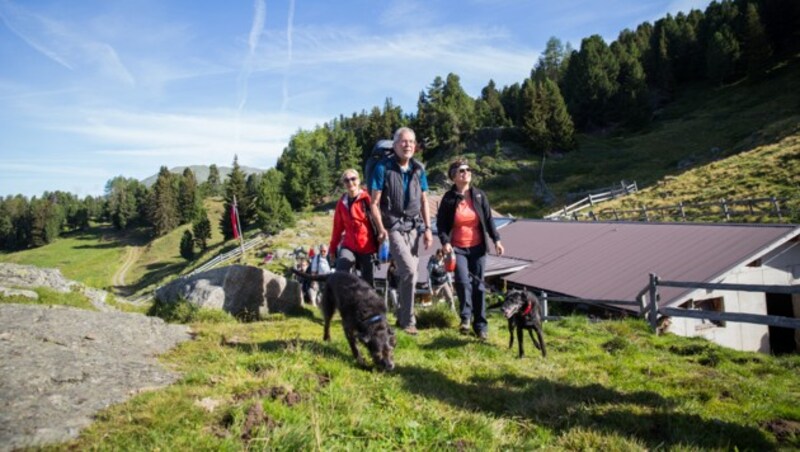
363	316
521	308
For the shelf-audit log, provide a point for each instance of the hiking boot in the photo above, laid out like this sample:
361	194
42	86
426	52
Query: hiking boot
412	330
464	328
483	336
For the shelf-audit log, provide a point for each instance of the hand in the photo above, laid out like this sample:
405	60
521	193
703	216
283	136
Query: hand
447	248
382	235
499	247
428	238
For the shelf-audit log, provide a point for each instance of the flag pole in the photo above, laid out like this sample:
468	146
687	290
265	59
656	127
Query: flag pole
238	226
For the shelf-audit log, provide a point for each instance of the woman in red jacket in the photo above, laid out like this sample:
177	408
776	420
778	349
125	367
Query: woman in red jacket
352	228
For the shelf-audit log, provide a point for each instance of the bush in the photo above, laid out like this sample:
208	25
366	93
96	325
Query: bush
182	311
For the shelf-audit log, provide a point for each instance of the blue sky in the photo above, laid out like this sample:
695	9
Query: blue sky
93	89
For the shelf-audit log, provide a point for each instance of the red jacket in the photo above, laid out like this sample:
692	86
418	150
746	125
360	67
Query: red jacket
351	226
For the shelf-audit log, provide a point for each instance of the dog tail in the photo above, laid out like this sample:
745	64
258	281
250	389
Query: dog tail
310	276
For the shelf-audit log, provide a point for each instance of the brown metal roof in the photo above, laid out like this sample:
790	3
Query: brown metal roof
612	261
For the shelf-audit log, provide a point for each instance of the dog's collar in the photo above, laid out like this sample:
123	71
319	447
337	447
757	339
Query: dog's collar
528	309
373	319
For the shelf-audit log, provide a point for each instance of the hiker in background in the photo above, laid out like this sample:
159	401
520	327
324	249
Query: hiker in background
463	221
353	229
319	266
439	279
400	209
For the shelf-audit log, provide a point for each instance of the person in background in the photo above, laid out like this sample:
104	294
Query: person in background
463	221
439	279
319	266
400	208
353	230
301	265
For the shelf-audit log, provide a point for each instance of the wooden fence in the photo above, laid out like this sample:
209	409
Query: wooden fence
650	309
729	209
591	199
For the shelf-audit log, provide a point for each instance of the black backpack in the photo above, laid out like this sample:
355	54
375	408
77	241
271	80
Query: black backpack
381	150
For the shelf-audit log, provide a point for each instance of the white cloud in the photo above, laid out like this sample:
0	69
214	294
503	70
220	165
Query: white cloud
64	44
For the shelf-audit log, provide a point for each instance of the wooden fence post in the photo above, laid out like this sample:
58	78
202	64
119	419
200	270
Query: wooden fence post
644	212
683	211
592	215
725	209
545	309
616	215
776	207
654	298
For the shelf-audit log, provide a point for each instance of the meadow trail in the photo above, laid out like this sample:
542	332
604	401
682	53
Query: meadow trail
132	255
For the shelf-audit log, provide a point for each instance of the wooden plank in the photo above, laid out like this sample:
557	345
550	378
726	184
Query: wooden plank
726	286
771	320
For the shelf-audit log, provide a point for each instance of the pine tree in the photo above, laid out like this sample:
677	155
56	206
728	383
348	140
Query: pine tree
47	218
559	122
164	215
235	186
187	245
550	62
756	49
632	101
213	182
202	230
274	211
188	197
535	116
123	205
722	54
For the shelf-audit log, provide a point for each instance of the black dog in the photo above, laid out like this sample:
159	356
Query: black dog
363	315
521	308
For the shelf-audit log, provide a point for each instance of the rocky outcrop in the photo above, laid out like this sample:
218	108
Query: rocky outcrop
243	291
59	366
31	277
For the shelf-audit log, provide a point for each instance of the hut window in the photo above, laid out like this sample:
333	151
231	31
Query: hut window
711	304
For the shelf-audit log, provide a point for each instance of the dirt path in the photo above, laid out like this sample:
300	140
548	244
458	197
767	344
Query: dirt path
133	253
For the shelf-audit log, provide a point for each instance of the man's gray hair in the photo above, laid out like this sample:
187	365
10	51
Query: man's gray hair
401	131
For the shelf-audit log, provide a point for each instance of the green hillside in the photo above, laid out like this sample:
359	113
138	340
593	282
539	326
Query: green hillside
703	125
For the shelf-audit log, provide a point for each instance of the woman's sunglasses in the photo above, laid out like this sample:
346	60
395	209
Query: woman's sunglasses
350	179
464	170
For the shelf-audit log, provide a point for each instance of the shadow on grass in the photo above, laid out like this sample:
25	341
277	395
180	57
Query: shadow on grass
326	349
99	246
444	342
643	415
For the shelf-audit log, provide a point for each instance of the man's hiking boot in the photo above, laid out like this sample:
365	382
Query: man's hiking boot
464	328
412	330
483	336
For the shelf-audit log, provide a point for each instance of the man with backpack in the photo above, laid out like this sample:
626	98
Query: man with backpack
400	206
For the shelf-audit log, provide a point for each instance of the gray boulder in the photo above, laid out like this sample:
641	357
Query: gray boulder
243	291
59	366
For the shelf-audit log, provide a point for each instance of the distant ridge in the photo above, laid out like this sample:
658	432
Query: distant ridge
201	173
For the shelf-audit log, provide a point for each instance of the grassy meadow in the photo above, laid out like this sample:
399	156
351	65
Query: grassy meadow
609	385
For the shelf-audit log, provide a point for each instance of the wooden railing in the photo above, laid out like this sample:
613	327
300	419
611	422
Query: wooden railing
592	198
647	302
784	209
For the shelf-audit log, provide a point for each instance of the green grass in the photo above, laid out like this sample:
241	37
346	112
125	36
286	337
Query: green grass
49	297
606	385
90	256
